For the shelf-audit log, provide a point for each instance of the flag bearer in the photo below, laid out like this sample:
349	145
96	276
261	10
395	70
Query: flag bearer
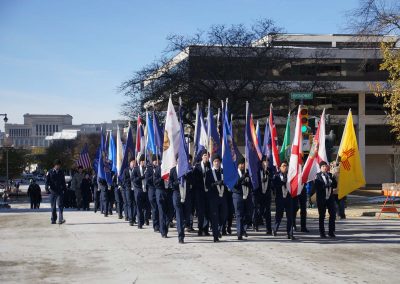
324	184
242	200
283	200
217	201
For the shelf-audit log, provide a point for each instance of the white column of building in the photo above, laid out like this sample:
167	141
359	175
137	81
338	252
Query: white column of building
361	128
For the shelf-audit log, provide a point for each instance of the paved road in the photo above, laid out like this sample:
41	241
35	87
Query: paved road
90	247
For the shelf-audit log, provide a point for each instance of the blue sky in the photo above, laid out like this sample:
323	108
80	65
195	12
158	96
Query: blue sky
59	57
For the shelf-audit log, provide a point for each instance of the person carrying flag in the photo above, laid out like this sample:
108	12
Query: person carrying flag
262	197
201	195
178	199
242	200
140	188
217	202
283	200
161	195
324	184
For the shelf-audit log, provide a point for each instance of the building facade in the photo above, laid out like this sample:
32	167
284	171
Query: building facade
39	130
340	71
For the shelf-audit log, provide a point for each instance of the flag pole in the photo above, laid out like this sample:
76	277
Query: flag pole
246	158
341	139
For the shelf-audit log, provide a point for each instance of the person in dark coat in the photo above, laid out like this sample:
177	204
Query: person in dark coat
119	201
139	184
217	202
201	193
162	197
55	184
242	200
283	201
128	190
174	185
262	197
324	184
151	192
85	189
96	193
35	194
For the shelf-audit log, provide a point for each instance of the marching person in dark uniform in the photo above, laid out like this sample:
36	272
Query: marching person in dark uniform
86	192
324	184
151	192
96	193
283	201
110	193
55	183
161	195
139	184
227	226
242	200
177	197
188	205
103	186
201	193
35	194
119	203
129	191
76	186
262	198
301	202
217	201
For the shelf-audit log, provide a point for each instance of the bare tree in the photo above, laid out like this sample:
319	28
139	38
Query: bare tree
234	62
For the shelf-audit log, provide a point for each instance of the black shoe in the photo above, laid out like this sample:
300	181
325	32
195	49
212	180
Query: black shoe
156	230
295	228
245	234
216	240
200	233
53	222
229	230
181	241
332	235
140	227
61	222
292	238
164	236
110	213
126	219
304	230
223	233
220	235
79	209
323	236
269	233
130	223
274	233
105	215
240	238
120	217
206	233
147	222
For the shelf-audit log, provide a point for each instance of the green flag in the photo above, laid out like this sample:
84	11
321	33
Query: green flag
284	152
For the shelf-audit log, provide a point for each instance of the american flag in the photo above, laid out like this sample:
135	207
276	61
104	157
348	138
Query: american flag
84	159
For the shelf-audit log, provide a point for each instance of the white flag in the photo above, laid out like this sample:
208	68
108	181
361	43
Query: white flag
317	153
294	181
120	154
171	141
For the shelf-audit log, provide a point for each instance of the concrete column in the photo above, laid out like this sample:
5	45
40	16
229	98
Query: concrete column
361	128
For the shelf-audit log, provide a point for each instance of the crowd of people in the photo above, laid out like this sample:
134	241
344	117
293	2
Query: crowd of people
140	195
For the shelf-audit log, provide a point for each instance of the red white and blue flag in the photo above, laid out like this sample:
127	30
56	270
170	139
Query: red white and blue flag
84	159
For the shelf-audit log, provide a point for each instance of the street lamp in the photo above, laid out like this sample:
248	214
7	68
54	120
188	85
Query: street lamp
7	144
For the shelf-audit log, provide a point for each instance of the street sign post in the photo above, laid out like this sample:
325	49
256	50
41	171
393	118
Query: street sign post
301	96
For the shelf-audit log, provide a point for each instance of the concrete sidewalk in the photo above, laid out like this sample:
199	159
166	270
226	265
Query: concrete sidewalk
90	247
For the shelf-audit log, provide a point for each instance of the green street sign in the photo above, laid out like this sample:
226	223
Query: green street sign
301	96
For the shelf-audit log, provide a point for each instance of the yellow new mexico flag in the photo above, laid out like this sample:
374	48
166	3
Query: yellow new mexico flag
351	176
